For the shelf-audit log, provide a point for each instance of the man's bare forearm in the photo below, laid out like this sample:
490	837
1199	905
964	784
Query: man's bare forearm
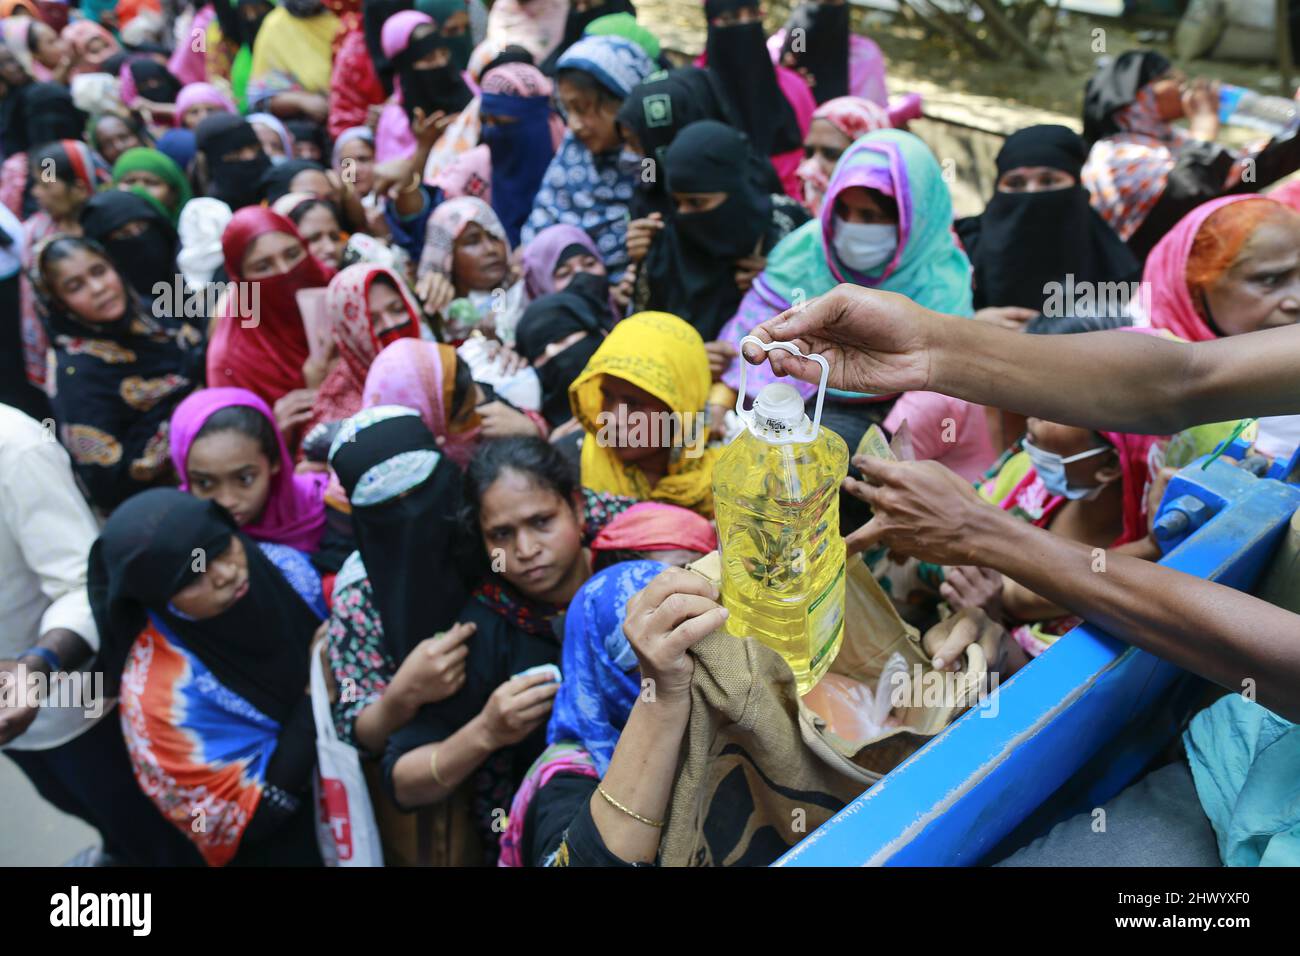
1221	634
1116	381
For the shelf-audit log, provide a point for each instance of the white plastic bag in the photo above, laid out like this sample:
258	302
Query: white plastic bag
345	820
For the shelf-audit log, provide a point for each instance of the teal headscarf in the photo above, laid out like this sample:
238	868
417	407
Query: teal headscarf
462	46
929	267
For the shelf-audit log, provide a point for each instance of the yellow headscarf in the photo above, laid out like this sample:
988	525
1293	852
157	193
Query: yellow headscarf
665	356
301	47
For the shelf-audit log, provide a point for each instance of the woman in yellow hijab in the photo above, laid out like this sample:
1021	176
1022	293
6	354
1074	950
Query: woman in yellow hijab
641	401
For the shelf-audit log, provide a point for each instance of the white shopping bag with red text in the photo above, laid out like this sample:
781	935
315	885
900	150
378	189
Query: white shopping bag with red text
345	820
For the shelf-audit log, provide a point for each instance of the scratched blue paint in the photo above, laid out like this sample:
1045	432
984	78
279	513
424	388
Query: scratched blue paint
1088	696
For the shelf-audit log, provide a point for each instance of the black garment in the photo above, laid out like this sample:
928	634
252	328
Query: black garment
90	778
374	13
738	55
1024	241
434	89
817	36
575	27
116	385
406	542
37	114
146	259
511	54
277	178
551	318
236	183
690	269
15	389
560	813
258	648
499	650
309	131
154	81
237	28
1116	85
660	108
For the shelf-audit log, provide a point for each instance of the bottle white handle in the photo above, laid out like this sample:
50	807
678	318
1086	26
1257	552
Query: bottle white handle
793	350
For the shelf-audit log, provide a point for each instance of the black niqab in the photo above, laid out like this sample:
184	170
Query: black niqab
817	36
432	89
738	55
1116	85
581	307
146	259
237	183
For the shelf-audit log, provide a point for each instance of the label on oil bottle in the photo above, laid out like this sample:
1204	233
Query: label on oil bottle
825	618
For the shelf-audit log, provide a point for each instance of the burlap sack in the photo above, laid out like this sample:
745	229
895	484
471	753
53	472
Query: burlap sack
759	770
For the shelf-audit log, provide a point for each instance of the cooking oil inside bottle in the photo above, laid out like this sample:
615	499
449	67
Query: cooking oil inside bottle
777	507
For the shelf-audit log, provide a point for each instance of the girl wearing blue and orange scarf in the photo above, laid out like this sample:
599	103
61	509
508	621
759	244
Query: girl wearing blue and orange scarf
205	636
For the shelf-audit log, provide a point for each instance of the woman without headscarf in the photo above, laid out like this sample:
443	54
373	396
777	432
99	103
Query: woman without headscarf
156	175
718	237
515	112
465	273
773	103
370	308
650	370
210	661
119	371
886	223
225	447
834	127
818	42
558	334
590	181
522	502
267	352
138	237
1145	174
233	161
1039	227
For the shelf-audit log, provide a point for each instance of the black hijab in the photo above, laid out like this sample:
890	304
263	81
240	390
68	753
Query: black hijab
581	307
146	259
374	13
1023	241
738	55
824	30
152	547
433	88
407	539
691	270
154	81
236	183
276	180
1115	85
660	108
40	113
575	27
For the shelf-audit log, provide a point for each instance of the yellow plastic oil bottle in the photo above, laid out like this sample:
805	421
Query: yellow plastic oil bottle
776	501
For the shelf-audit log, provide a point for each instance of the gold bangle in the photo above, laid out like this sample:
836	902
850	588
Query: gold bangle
631	813
433	767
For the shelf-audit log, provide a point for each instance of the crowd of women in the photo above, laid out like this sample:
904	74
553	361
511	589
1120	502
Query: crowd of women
332	305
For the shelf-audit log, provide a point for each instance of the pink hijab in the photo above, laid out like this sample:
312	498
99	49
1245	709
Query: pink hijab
295	510
420	375
78	35
1165	273
195	93
854	117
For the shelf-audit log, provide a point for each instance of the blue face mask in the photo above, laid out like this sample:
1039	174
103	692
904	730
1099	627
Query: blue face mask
1051	469
864	245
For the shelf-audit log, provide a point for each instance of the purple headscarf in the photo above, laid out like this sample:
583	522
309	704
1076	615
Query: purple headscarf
542	256
295	510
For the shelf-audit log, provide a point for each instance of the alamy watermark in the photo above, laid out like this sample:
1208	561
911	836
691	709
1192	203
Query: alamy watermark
80	690
176	300
688	431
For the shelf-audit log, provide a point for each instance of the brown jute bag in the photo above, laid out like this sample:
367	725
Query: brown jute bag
759	770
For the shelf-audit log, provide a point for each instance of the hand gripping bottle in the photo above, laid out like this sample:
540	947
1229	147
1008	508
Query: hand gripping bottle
776	500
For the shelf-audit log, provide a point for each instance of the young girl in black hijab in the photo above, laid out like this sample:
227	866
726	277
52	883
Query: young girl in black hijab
205	637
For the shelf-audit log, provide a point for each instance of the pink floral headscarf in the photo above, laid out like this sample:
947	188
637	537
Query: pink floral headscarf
851	115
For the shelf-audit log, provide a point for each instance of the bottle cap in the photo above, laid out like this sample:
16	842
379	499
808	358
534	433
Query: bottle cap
778	411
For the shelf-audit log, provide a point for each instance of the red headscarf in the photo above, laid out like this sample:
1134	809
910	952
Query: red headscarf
262	353
1165	274
656	526
348	304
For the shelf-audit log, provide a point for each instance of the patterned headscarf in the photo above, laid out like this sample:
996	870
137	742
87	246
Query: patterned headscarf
78	36
446	224
851	115
617	63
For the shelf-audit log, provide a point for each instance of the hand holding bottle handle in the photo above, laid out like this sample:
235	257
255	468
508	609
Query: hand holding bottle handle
794	350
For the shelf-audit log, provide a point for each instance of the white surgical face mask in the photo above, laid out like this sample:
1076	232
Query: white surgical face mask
864	245
1051	469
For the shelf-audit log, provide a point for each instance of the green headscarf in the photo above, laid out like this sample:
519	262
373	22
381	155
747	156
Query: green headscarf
162	166
440	10
625	25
